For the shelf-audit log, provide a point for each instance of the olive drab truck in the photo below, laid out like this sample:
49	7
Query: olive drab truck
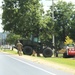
29	46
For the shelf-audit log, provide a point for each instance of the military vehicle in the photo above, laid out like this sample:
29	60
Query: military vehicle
39	47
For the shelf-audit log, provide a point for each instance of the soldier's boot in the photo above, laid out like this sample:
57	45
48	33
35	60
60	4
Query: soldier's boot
33	53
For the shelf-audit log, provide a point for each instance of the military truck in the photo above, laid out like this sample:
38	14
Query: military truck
39	47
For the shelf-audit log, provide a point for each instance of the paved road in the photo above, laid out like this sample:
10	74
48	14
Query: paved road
12	65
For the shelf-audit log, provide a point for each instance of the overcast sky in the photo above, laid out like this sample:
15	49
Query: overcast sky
46	3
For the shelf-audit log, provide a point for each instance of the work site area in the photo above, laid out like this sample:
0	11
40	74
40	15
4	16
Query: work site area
37	37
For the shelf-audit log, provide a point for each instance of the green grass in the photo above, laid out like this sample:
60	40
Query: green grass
69	62
9	51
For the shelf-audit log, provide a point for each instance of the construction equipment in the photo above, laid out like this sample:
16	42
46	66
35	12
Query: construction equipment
29	46
69	51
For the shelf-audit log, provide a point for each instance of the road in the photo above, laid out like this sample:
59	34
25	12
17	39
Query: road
15	65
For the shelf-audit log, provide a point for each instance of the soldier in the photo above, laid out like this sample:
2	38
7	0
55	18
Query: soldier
19	47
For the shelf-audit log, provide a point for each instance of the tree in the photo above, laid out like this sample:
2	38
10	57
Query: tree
72	27
46	28
63	13
11	38
22	16
63	19
68	41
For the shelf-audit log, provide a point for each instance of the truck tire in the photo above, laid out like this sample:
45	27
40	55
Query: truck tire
28	50
65	55
47	53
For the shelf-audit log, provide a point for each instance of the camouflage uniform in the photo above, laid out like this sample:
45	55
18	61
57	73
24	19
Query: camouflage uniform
19	47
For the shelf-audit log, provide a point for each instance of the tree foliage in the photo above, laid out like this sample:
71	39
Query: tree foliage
11	38
22	16
68	40
26	17
63	16
64	19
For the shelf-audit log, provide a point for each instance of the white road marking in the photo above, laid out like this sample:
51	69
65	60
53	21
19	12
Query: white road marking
32	65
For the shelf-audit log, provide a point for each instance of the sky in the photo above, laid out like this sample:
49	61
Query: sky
46	4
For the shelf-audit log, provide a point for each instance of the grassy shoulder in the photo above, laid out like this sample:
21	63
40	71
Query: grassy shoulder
68	62
9	51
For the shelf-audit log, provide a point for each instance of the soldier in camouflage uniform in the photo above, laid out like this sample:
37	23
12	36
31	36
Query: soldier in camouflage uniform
19	48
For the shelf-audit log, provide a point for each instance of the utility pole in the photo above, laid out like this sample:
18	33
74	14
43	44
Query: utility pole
53	36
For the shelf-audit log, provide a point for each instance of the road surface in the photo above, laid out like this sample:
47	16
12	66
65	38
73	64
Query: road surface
13	65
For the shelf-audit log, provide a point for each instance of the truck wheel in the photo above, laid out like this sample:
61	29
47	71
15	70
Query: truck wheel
27	50
65	55
47	53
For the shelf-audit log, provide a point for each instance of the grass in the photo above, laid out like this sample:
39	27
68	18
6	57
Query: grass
69	62
9	51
